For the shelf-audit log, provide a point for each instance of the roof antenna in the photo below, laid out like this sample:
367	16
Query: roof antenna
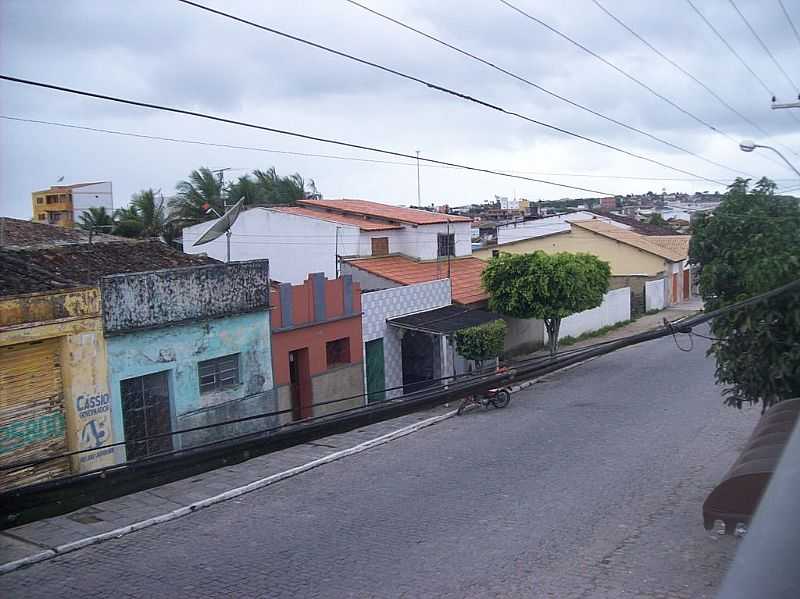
222	227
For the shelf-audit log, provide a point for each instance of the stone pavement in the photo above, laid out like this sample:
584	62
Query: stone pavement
589	484
23	541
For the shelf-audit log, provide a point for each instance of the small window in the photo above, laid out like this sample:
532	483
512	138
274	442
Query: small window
380	246
219	373
447	244
338	352
43	216
40	200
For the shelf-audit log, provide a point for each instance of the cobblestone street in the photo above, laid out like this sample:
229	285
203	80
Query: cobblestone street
589	484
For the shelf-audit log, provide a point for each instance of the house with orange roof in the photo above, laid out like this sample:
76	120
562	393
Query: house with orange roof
316	235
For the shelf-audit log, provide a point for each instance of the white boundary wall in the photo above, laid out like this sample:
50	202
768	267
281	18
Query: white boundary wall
616	307
654	298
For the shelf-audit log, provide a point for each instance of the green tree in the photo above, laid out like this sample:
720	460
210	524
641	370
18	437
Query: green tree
482	342
656	219
97	220
749	245
545	286
283	190
195	195
151	212
127	222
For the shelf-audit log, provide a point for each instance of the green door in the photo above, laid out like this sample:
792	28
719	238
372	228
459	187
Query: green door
376	378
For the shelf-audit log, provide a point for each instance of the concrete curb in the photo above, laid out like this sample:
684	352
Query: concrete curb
209	501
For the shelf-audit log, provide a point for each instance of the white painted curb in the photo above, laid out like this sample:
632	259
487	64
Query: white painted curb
193	507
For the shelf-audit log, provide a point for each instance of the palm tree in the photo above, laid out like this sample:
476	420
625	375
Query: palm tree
283	190
245	187
97	220
128	222
150	212
198	193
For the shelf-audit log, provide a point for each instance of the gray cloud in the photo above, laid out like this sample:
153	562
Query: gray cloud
173	54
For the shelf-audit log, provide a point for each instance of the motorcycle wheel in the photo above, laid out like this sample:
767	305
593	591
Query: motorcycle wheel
501	398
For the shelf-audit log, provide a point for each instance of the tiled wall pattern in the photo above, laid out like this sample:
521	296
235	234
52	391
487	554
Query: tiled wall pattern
377	306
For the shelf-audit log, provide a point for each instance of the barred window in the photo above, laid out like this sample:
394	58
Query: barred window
338	352
447	244
219	373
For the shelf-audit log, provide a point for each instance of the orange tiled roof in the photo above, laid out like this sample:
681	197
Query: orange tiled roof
360	222
642	242
679	243
378	210
465	274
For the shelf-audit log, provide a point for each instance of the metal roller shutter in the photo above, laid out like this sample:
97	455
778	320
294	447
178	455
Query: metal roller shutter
31	413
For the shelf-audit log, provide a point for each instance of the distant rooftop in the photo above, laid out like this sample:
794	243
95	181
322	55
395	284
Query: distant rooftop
342	219
70	186
32	270
18	234
384	211
674	251
639	227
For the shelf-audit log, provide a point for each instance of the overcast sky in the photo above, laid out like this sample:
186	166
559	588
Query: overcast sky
169	53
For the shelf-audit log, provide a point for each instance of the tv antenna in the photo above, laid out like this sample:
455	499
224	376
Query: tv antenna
222	227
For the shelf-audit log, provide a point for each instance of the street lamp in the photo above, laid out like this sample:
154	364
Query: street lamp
748	146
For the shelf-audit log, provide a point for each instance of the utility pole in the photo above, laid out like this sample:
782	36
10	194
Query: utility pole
419	194
451	249
337	252
221	172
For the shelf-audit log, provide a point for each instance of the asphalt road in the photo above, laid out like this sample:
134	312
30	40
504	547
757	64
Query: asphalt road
588	485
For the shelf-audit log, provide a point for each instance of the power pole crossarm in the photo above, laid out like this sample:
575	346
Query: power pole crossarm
789	105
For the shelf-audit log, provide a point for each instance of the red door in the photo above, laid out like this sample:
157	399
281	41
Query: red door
686	283
300	384
675	288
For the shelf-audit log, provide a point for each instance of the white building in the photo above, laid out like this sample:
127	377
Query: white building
312	236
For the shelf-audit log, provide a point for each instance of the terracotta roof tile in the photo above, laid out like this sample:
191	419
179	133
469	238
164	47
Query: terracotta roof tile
357	221
678	243
634	239
378	210
17	233
465	274
82	265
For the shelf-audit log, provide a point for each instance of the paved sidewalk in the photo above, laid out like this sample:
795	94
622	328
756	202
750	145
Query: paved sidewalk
29	539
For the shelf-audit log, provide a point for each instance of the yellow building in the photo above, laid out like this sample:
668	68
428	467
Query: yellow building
634	258
62	204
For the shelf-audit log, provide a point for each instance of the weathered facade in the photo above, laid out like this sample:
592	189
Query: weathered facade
53	385
317	352
187	348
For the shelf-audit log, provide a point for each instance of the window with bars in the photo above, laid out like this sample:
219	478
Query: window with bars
447	244
338	351
219	373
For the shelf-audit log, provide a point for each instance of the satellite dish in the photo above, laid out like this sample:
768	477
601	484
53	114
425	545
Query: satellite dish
222	227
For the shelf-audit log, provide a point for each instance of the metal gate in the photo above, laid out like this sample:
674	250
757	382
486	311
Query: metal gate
31	413
376	375
418	361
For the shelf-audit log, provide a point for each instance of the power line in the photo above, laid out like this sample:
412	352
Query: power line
443	89
249	125
734	52
789	20
618	69
532	84
690	76
764	46
313	155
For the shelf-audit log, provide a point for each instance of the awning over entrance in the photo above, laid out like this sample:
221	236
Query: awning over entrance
444	321
736	498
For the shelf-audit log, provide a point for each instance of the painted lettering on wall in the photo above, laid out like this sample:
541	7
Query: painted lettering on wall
20	433
94	412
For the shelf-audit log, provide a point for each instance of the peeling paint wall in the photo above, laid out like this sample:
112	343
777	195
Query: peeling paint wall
177	350
135	301
72	321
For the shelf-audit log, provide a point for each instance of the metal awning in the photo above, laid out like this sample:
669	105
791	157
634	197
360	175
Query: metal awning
736	498
444	321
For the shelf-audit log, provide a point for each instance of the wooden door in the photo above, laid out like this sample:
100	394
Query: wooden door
686	284
146	415
300	384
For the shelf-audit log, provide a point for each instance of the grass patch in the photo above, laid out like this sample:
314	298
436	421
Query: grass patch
564	341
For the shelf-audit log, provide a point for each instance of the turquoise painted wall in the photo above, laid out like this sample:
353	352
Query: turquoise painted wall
177	350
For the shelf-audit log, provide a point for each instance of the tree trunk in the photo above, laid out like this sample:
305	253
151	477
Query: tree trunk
553	325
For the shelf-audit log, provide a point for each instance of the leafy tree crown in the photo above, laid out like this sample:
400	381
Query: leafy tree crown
481	342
